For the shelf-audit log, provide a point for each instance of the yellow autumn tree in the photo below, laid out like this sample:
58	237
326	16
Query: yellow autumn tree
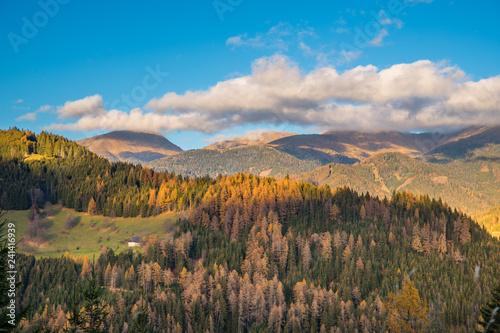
92	207
157	274
86	268
182	276
407	311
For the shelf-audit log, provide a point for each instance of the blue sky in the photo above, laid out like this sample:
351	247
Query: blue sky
77	68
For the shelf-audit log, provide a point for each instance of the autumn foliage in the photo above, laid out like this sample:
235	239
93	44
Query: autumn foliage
407	310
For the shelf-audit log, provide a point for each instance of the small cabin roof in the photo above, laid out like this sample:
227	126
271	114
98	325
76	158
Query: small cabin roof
134	239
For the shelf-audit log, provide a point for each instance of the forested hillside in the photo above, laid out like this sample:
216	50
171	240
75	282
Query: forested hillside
472	185
253	159
463	170
253	254
115	189
291	153
481	142
266	255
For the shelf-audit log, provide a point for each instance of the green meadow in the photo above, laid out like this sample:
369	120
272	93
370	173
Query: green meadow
90	235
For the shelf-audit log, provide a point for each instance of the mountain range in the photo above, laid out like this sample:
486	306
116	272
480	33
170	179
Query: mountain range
462	167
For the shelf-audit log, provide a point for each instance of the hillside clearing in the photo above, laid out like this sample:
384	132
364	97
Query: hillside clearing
90	235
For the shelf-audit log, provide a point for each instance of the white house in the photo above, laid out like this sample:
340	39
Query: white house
134	241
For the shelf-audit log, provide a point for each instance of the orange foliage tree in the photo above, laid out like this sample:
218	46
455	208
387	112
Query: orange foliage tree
407	311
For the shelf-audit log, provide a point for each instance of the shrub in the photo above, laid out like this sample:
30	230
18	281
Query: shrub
70	222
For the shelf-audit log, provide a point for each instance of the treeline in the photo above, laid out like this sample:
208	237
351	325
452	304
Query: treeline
17	143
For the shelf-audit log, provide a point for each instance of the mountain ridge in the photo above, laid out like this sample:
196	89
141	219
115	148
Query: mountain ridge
130	146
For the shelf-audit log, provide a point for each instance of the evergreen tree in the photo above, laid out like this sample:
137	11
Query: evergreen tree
93	312
141	324
490	312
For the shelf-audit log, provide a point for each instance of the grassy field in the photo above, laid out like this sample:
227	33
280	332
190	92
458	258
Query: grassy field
90	235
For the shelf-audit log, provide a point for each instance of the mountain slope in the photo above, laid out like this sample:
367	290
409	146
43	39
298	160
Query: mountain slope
287	153
130	146
259	160
356	145
321	259
472	186
482	142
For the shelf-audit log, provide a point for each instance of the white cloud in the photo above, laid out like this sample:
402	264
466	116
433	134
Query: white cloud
386	20
33	115
250	135
417	95
481	96
275	38
236	40
347	56
221	138
28	116
377	41
139	121
90	105
18	101
305	48
278	37
275	82
44	108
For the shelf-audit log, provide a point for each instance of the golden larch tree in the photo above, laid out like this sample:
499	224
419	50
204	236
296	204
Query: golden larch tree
407	311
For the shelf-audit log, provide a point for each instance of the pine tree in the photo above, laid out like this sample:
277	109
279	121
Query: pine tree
93	311
236	227
416	244
334	212
442	243
465	232
107	274
157	274
346	255
326	245
426	240
362	212
360	265
490	312
306	255
141	318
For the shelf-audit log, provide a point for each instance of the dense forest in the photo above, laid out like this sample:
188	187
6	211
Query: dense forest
252	255
256	159
46	167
